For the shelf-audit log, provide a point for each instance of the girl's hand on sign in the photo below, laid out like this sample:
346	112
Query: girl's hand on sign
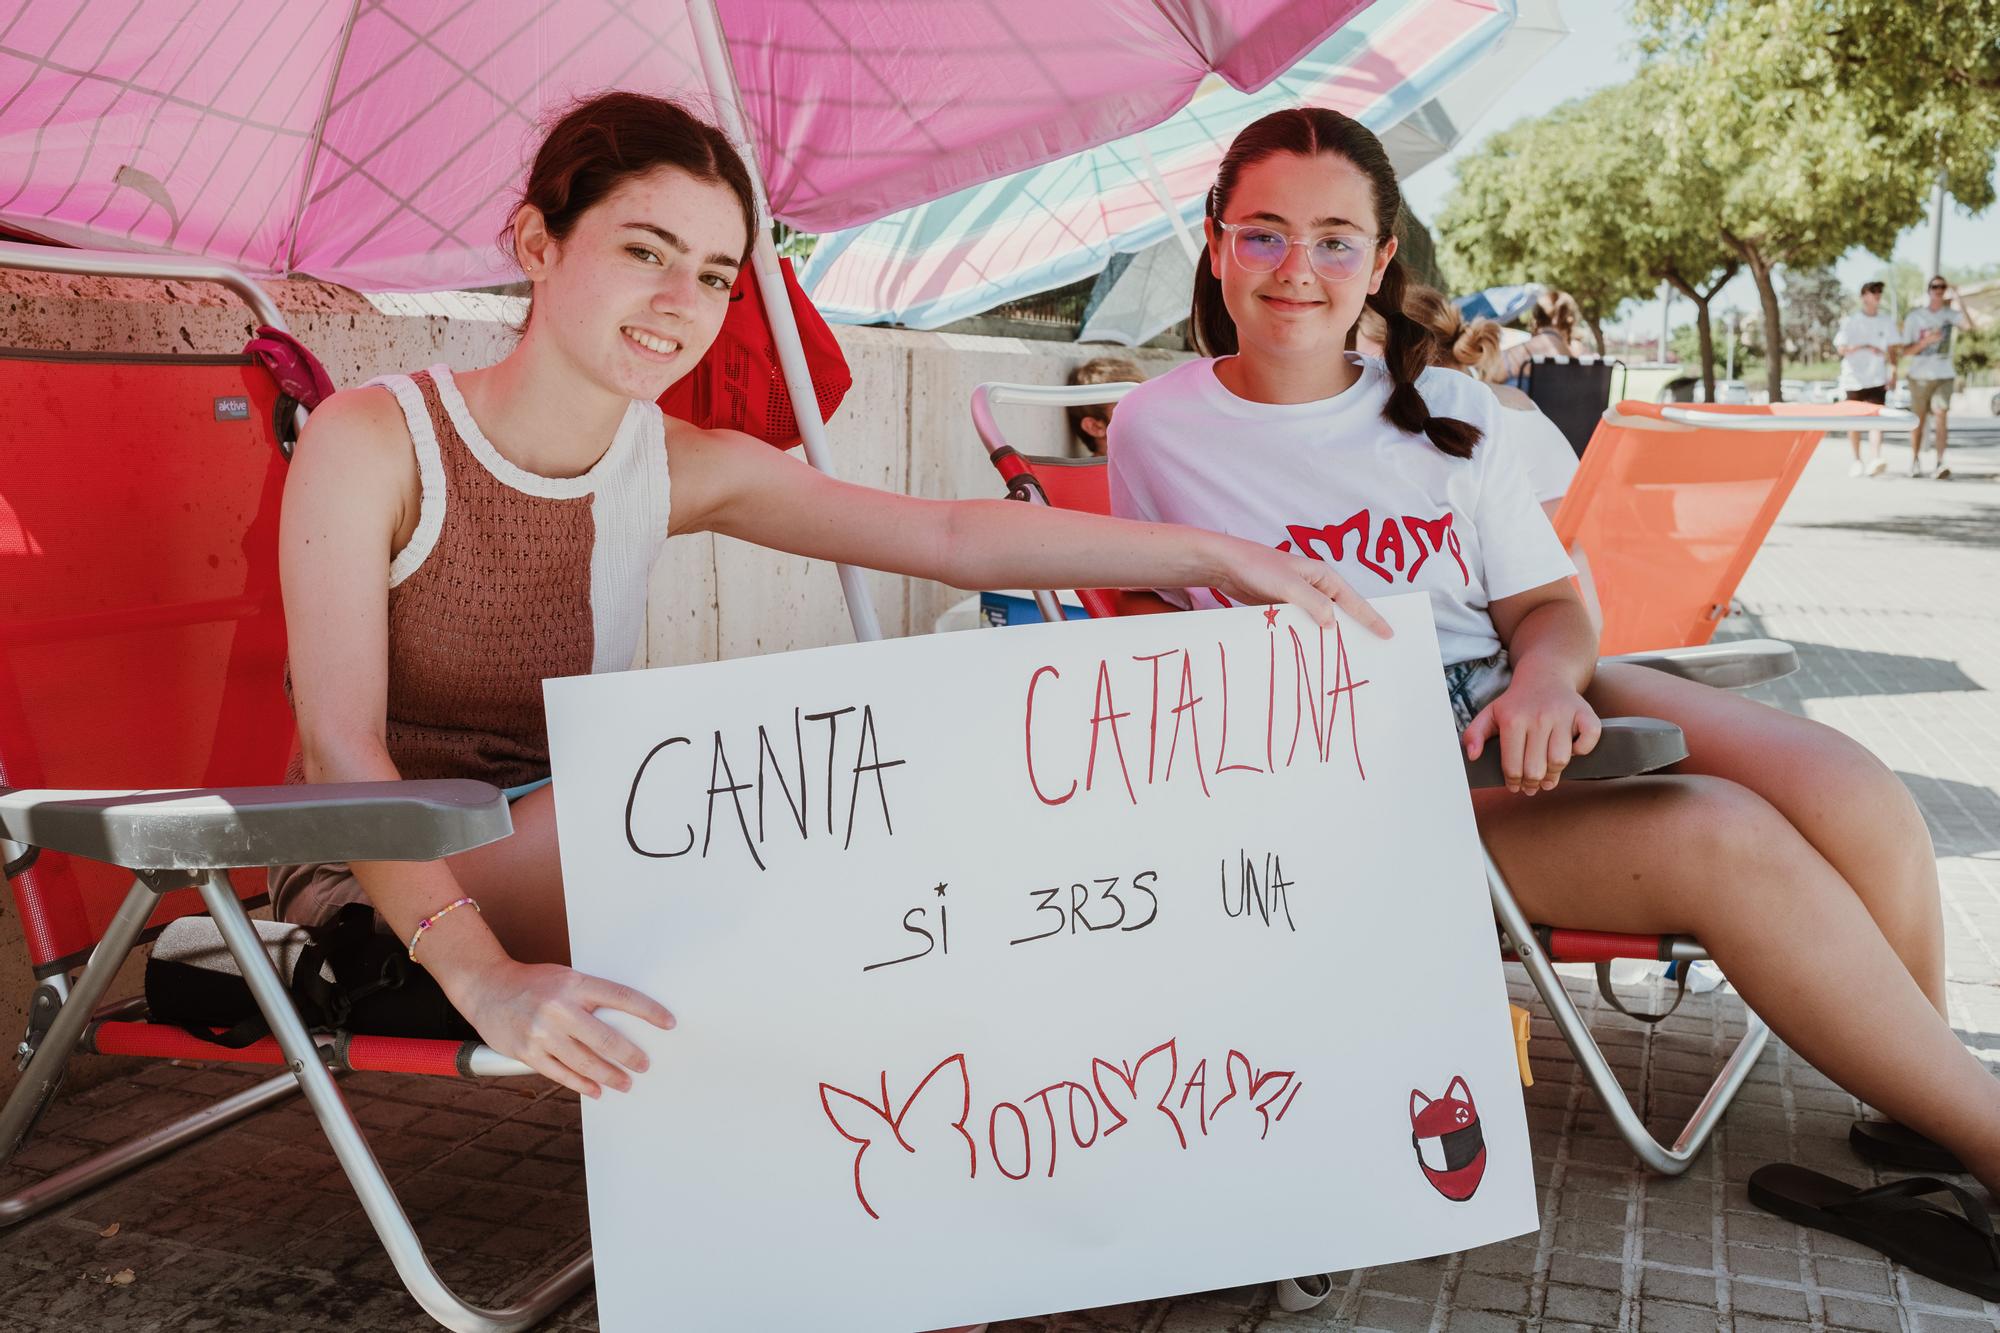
545	1015
1539	725
1258	576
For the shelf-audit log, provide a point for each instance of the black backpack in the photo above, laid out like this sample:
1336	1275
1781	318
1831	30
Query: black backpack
346	974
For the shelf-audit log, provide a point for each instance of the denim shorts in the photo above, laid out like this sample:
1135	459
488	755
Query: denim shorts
1475	684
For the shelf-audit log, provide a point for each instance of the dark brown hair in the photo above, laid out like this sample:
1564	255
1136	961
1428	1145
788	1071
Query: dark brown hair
598	143
1409	348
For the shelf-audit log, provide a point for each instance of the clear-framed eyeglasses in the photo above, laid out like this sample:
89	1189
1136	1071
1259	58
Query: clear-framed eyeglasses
1336	256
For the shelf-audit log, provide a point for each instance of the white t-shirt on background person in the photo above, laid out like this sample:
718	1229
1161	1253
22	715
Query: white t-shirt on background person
1867	365
1541	449
1934	362
1334	480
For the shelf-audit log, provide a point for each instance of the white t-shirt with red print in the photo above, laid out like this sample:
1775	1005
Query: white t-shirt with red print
1334	480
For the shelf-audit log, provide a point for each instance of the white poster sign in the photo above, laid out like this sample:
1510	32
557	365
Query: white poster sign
1030	970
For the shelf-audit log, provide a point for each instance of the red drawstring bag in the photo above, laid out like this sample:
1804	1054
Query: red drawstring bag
739	385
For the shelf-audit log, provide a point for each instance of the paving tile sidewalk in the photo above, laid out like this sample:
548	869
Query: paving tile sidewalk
1891	590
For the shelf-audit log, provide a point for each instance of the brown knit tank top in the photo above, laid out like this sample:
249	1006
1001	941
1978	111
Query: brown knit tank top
510	578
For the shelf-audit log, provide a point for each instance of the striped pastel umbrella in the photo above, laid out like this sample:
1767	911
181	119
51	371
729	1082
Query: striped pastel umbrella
381	143
1412	70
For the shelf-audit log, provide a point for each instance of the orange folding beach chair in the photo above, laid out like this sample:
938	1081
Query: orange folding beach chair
142	712
1629	745
1671	503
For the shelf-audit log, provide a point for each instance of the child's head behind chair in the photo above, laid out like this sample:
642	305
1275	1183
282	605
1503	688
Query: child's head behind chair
1090	423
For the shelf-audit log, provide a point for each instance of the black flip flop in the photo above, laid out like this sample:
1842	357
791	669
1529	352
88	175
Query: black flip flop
1886	1143
1957	1249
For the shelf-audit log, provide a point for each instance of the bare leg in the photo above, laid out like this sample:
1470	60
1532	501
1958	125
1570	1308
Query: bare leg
1917	443
518	882
1943	427
1854	443
1841	798
1705	856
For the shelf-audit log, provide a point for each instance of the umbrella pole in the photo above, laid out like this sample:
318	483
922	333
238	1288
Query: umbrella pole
771	287
1189	246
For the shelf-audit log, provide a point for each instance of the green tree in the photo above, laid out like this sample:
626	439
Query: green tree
1828	120
1528	206
1666	221
1576	198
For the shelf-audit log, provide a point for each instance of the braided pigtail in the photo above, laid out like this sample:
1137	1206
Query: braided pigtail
1409	350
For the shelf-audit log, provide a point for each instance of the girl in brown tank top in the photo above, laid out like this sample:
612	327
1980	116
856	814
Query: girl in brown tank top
450	542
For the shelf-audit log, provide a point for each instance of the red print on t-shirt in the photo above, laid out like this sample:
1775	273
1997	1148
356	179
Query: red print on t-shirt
1387	559
1400	547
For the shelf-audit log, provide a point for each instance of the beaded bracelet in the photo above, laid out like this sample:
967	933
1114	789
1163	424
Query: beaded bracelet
436	917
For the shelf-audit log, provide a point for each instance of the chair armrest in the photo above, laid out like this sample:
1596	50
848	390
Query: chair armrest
1629	746
1727	666
226	827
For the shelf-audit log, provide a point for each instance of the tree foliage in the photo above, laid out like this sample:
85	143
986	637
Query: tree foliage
1918	76
1576	199
1827	120
1527	209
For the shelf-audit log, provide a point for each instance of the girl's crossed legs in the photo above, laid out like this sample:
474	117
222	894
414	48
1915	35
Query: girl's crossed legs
1801	864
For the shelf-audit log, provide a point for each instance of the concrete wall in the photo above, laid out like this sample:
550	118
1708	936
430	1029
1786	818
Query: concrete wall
905	426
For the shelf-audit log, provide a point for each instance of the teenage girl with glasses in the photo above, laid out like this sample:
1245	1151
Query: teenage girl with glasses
1793	854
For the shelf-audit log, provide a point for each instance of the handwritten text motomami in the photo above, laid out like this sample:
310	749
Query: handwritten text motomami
1157	1107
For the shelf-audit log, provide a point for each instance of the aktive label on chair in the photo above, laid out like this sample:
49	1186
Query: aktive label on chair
1036	969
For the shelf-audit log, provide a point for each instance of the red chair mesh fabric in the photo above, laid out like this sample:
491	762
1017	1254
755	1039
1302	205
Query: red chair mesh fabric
406	1055
157	1041
1082	484
1600	946
390	1055
142	638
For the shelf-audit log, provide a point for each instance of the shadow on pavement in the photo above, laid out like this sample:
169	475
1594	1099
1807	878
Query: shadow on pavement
1979	526
1964	819
1827	672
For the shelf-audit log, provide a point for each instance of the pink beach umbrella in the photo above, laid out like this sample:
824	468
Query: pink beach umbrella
377	143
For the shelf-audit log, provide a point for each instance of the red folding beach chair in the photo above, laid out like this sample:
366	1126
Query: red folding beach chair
142	713
1628	746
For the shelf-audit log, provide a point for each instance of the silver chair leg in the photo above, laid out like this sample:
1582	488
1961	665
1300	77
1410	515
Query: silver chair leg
1669	1161
378	1199
137	1151
45	1068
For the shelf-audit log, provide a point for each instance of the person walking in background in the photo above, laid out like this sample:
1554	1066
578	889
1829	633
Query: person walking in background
1089	423
1927	335
1867	368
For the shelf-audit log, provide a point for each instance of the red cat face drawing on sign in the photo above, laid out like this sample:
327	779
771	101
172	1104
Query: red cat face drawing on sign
1451	1148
